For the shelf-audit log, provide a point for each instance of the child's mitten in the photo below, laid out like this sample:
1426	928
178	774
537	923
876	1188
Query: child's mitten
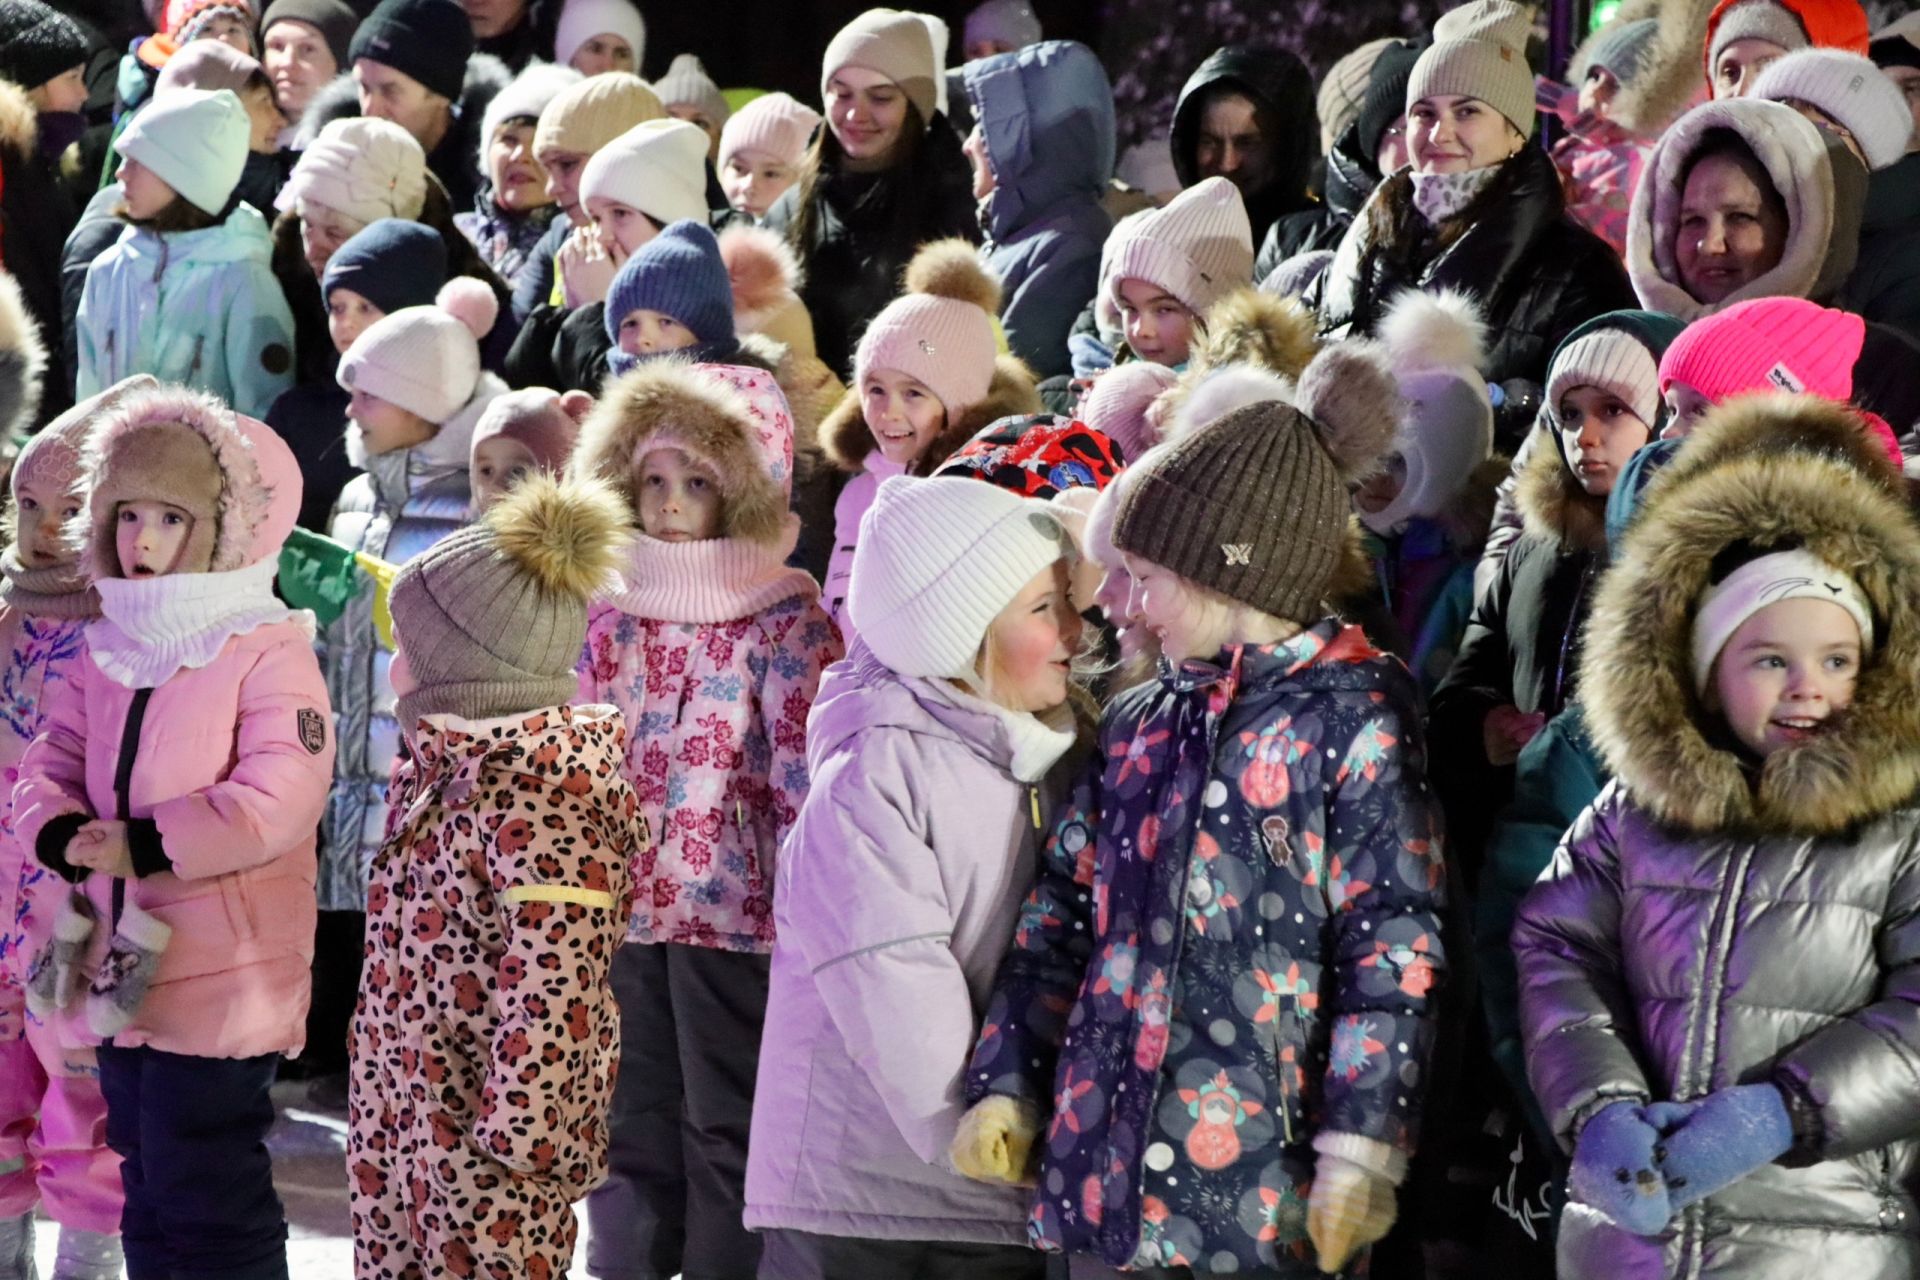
54	979
1616	1171
1352	1203
1710	1144
127	971
995	1140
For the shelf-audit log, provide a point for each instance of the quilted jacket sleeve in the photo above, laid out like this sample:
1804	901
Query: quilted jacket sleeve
272	798
53	772
1576	1017
1859	1073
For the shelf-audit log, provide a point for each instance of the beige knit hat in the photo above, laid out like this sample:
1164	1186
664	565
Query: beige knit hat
587	116
774	124
365	168
893	43
687	84
1480	51
1344	89
658	167
1254	503
1199	248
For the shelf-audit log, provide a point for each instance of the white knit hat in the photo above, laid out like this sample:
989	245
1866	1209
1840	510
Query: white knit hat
658	167
195	141
1851	91
1199	248
687	84
425	359
582	20
774	124
1616	362
365	168
527	96
936	561
1783	575
892	43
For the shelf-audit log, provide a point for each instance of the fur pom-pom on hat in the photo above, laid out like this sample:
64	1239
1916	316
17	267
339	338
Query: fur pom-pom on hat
1350	393
1426	331
1250	327
566	537
1436	342
940	332
952	269
470	302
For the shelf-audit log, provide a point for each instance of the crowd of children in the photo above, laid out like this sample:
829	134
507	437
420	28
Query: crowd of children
832	693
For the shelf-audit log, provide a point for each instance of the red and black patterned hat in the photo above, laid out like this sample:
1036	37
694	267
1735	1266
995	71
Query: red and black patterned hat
1038	456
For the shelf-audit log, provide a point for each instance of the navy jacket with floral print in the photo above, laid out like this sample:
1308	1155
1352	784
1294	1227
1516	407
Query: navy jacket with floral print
1232	946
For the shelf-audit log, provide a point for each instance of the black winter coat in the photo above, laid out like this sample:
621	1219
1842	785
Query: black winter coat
1536	273
1350	179
312	420
1885	286
35	217
562	350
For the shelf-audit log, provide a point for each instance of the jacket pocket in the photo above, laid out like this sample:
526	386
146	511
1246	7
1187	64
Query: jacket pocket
237	898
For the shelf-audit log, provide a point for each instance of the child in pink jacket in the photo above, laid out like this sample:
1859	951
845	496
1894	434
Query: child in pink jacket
713	649
178	779
52	1117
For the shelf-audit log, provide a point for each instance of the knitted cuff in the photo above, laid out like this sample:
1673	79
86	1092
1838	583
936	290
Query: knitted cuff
51	846
145	849
1809	1130
1376	1157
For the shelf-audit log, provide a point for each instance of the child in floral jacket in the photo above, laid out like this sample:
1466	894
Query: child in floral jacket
1220	988
486	1039
713	649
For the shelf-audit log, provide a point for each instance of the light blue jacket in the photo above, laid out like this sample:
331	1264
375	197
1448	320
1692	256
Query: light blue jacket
200	308
1046	113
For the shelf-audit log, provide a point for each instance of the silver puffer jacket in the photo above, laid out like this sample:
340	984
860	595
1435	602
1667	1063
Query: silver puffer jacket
1712	920
407	501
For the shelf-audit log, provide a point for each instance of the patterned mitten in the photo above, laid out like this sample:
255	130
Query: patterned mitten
127	972
1353	1201
55	977
995	1140
1712	1143
1616	1169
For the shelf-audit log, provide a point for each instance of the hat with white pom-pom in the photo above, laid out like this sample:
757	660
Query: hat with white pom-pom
425	359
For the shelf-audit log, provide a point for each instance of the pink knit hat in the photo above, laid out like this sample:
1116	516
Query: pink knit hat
1199	248
774	124
940	332
1767	344
1118	403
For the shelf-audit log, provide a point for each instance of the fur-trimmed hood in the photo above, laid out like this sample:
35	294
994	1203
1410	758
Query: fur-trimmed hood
260	483
23	359
1768	471
673	402
19	122
1551	501
846	440
1250	328
1670	76
1822	185
338	99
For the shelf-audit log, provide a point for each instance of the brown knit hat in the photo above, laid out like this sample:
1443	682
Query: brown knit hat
1253	503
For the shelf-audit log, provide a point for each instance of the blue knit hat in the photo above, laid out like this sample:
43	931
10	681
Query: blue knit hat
392	263
678	273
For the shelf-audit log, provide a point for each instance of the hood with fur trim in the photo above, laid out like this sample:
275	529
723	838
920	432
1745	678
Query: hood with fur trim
673	402
260	483
19	121
846	440
23	359
1670	77
1821	183
1553	504
1769	471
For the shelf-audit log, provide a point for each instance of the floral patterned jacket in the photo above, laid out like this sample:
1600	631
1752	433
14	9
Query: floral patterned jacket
1231	947
717	751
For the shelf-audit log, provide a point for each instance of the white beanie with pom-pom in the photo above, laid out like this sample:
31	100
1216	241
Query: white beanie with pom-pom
1436	342
425	359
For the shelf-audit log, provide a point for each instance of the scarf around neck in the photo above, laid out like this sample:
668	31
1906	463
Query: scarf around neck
151	629
713	580
1439	196
59	591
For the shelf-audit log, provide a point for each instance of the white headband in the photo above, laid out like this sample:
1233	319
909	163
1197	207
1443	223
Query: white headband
1783	575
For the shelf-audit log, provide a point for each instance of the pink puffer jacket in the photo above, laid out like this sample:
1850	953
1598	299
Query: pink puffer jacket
231	760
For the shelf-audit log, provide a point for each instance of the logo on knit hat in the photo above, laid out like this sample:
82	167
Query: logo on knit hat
926	346
1237	552
1783	378
313	730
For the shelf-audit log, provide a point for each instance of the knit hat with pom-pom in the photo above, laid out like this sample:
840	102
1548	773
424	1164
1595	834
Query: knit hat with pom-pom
1253	503
425	359
492	618
1121	403
687	84
940	332
1436	343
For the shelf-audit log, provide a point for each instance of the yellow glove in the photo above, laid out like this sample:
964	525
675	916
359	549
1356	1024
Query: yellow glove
995	1141
1352	1203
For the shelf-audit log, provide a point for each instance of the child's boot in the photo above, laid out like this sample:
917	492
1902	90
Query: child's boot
127	972
87	1255
54	979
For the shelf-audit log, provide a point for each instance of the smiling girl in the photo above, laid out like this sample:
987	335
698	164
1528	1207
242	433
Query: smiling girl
926	379
515	205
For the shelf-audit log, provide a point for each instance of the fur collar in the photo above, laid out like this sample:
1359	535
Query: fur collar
847	442
1552	502
1764	470
19	122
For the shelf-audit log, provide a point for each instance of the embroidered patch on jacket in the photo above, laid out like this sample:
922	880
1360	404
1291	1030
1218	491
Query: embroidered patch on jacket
313	730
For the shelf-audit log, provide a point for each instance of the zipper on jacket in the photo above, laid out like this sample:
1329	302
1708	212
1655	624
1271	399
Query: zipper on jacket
161	269
1566	640
199	346
122	788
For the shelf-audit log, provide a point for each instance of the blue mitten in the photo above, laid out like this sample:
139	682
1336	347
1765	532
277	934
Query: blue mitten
1616	1172
1715	1142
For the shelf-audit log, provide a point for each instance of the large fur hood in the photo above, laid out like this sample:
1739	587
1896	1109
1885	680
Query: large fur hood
19	122
847	442
340	100
1768	471
1669	77
1823	186
669	401
1247	327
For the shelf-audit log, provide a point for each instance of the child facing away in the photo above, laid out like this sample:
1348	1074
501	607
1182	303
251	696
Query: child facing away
187	293
52	1117
1717	970
417	391
713	650
486	1021
929	750
1240	906
177	781
926	377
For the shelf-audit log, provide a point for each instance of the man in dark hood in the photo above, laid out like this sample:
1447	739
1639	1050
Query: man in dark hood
1247	115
